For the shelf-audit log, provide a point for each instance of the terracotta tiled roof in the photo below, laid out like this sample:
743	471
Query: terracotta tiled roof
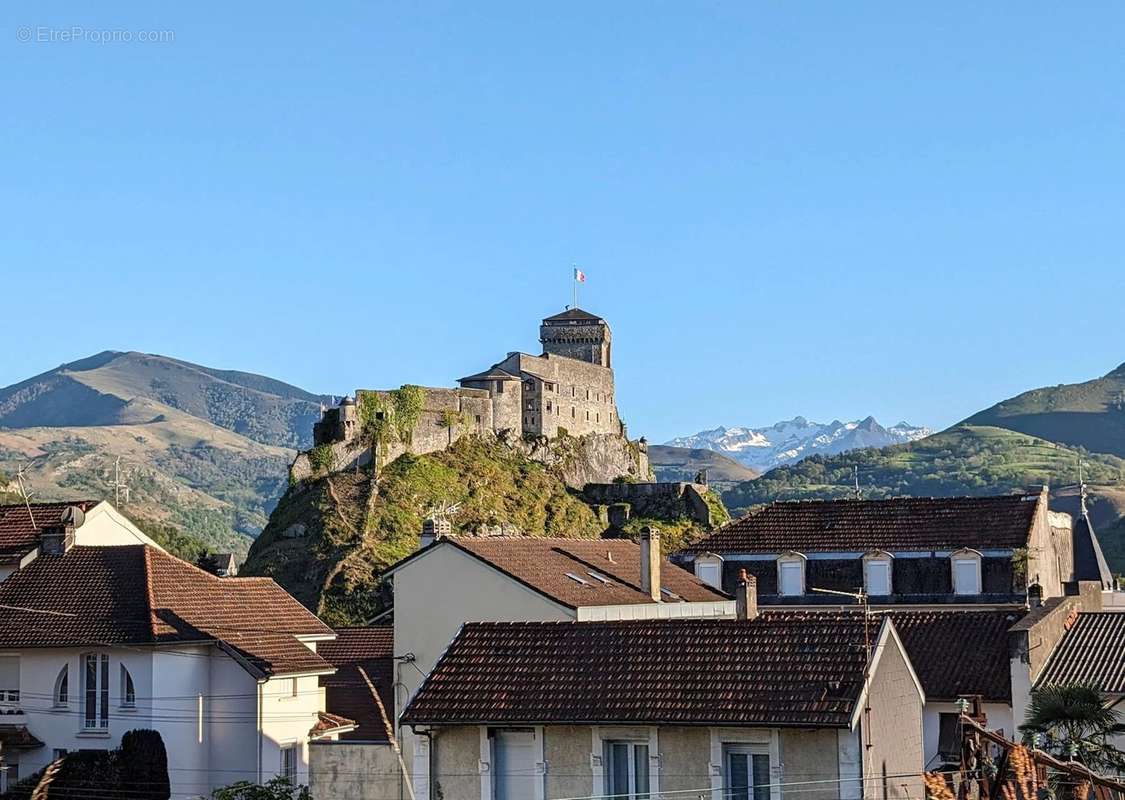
19	532
546	565
957	653
900	523
138	594
785	668
346	692
327	723
17	737
1092	651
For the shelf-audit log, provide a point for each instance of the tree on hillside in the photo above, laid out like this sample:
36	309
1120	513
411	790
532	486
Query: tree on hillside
1076	722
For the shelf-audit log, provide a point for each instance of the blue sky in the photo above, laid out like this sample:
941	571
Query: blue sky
823	209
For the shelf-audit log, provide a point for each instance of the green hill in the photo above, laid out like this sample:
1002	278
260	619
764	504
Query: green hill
329	538
964	460
1089	415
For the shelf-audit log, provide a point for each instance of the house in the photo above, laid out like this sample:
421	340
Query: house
225	565
362	762
1092	652
84	522
967	551
959	654
785	703
98	640
454	580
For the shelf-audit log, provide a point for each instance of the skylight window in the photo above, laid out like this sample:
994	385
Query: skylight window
600	578
577	579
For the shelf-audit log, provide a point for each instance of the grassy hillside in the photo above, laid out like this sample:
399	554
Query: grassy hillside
965	460
329	539
683	463
181	471
1089	415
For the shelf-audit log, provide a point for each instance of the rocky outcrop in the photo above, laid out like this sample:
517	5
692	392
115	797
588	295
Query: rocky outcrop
577	461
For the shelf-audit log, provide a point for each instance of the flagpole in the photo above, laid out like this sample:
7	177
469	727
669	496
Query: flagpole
574	282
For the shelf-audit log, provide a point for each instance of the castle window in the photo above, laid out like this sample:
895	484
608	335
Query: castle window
587	394
478	419
597	418
573	391
499	387
573	412
587	416
548	405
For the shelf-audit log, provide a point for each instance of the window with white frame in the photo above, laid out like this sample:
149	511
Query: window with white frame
128	691
626	770
746	772
95	688
791	575
290	754
513	763
965	565
877	574
61	695
709	569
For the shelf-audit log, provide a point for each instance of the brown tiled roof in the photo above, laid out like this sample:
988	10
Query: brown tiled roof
900	523
19	531
785	668
1092	651
347	693
546	564
958	653
138	594
327	723
17	737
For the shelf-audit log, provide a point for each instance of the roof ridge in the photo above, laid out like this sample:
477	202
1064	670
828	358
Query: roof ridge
150	595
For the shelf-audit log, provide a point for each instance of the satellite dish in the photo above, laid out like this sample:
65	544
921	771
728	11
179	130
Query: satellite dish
73	517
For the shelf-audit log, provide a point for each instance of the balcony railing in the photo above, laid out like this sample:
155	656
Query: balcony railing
10	701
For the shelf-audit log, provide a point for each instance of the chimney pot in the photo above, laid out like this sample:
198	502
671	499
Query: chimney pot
434	528
650	562
746	598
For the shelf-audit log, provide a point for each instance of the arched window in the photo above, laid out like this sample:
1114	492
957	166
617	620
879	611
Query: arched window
128	693
62	686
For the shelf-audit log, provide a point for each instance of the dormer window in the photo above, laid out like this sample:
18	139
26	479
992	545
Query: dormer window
965	566
877	573
709	569
791	574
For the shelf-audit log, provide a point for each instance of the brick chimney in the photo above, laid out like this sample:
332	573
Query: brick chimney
58	538
434	528
650	562
746	597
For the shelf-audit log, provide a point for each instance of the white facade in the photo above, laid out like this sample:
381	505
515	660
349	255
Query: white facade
999	716
218	722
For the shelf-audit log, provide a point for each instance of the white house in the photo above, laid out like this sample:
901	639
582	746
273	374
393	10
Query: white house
99	640
94	522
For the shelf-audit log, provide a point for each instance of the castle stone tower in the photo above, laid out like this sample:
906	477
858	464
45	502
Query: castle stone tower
577	334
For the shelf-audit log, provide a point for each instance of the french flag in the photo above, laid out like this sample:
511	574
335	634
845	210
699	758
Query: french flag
579	276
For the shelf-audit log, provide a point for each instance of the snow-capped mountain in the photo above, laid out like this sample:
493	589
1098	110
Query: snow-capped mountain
785	442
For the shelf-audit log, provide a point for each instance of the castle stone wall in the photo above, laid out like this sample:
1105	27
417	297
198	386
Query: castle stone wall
652	499
564	393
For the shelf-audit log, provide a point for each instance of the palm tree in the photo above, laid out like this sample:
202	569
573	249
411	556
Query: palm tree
1077	723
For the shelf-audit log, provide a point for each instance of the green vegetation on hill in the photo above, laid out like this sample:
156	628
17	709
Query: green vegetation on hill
329	539
966	460
1089	414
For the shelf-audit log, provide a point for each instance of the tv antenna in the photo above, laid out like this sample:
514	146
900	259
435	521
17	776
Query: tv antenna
24	493
855	474
119	486
1081	489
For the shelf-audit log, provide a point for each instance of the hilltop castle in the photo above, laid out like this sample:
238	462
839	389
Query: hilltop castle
566	390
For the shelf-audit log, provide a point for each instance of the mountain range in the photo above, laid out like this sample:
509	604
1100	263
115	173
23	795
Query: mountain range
198	450
762	449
